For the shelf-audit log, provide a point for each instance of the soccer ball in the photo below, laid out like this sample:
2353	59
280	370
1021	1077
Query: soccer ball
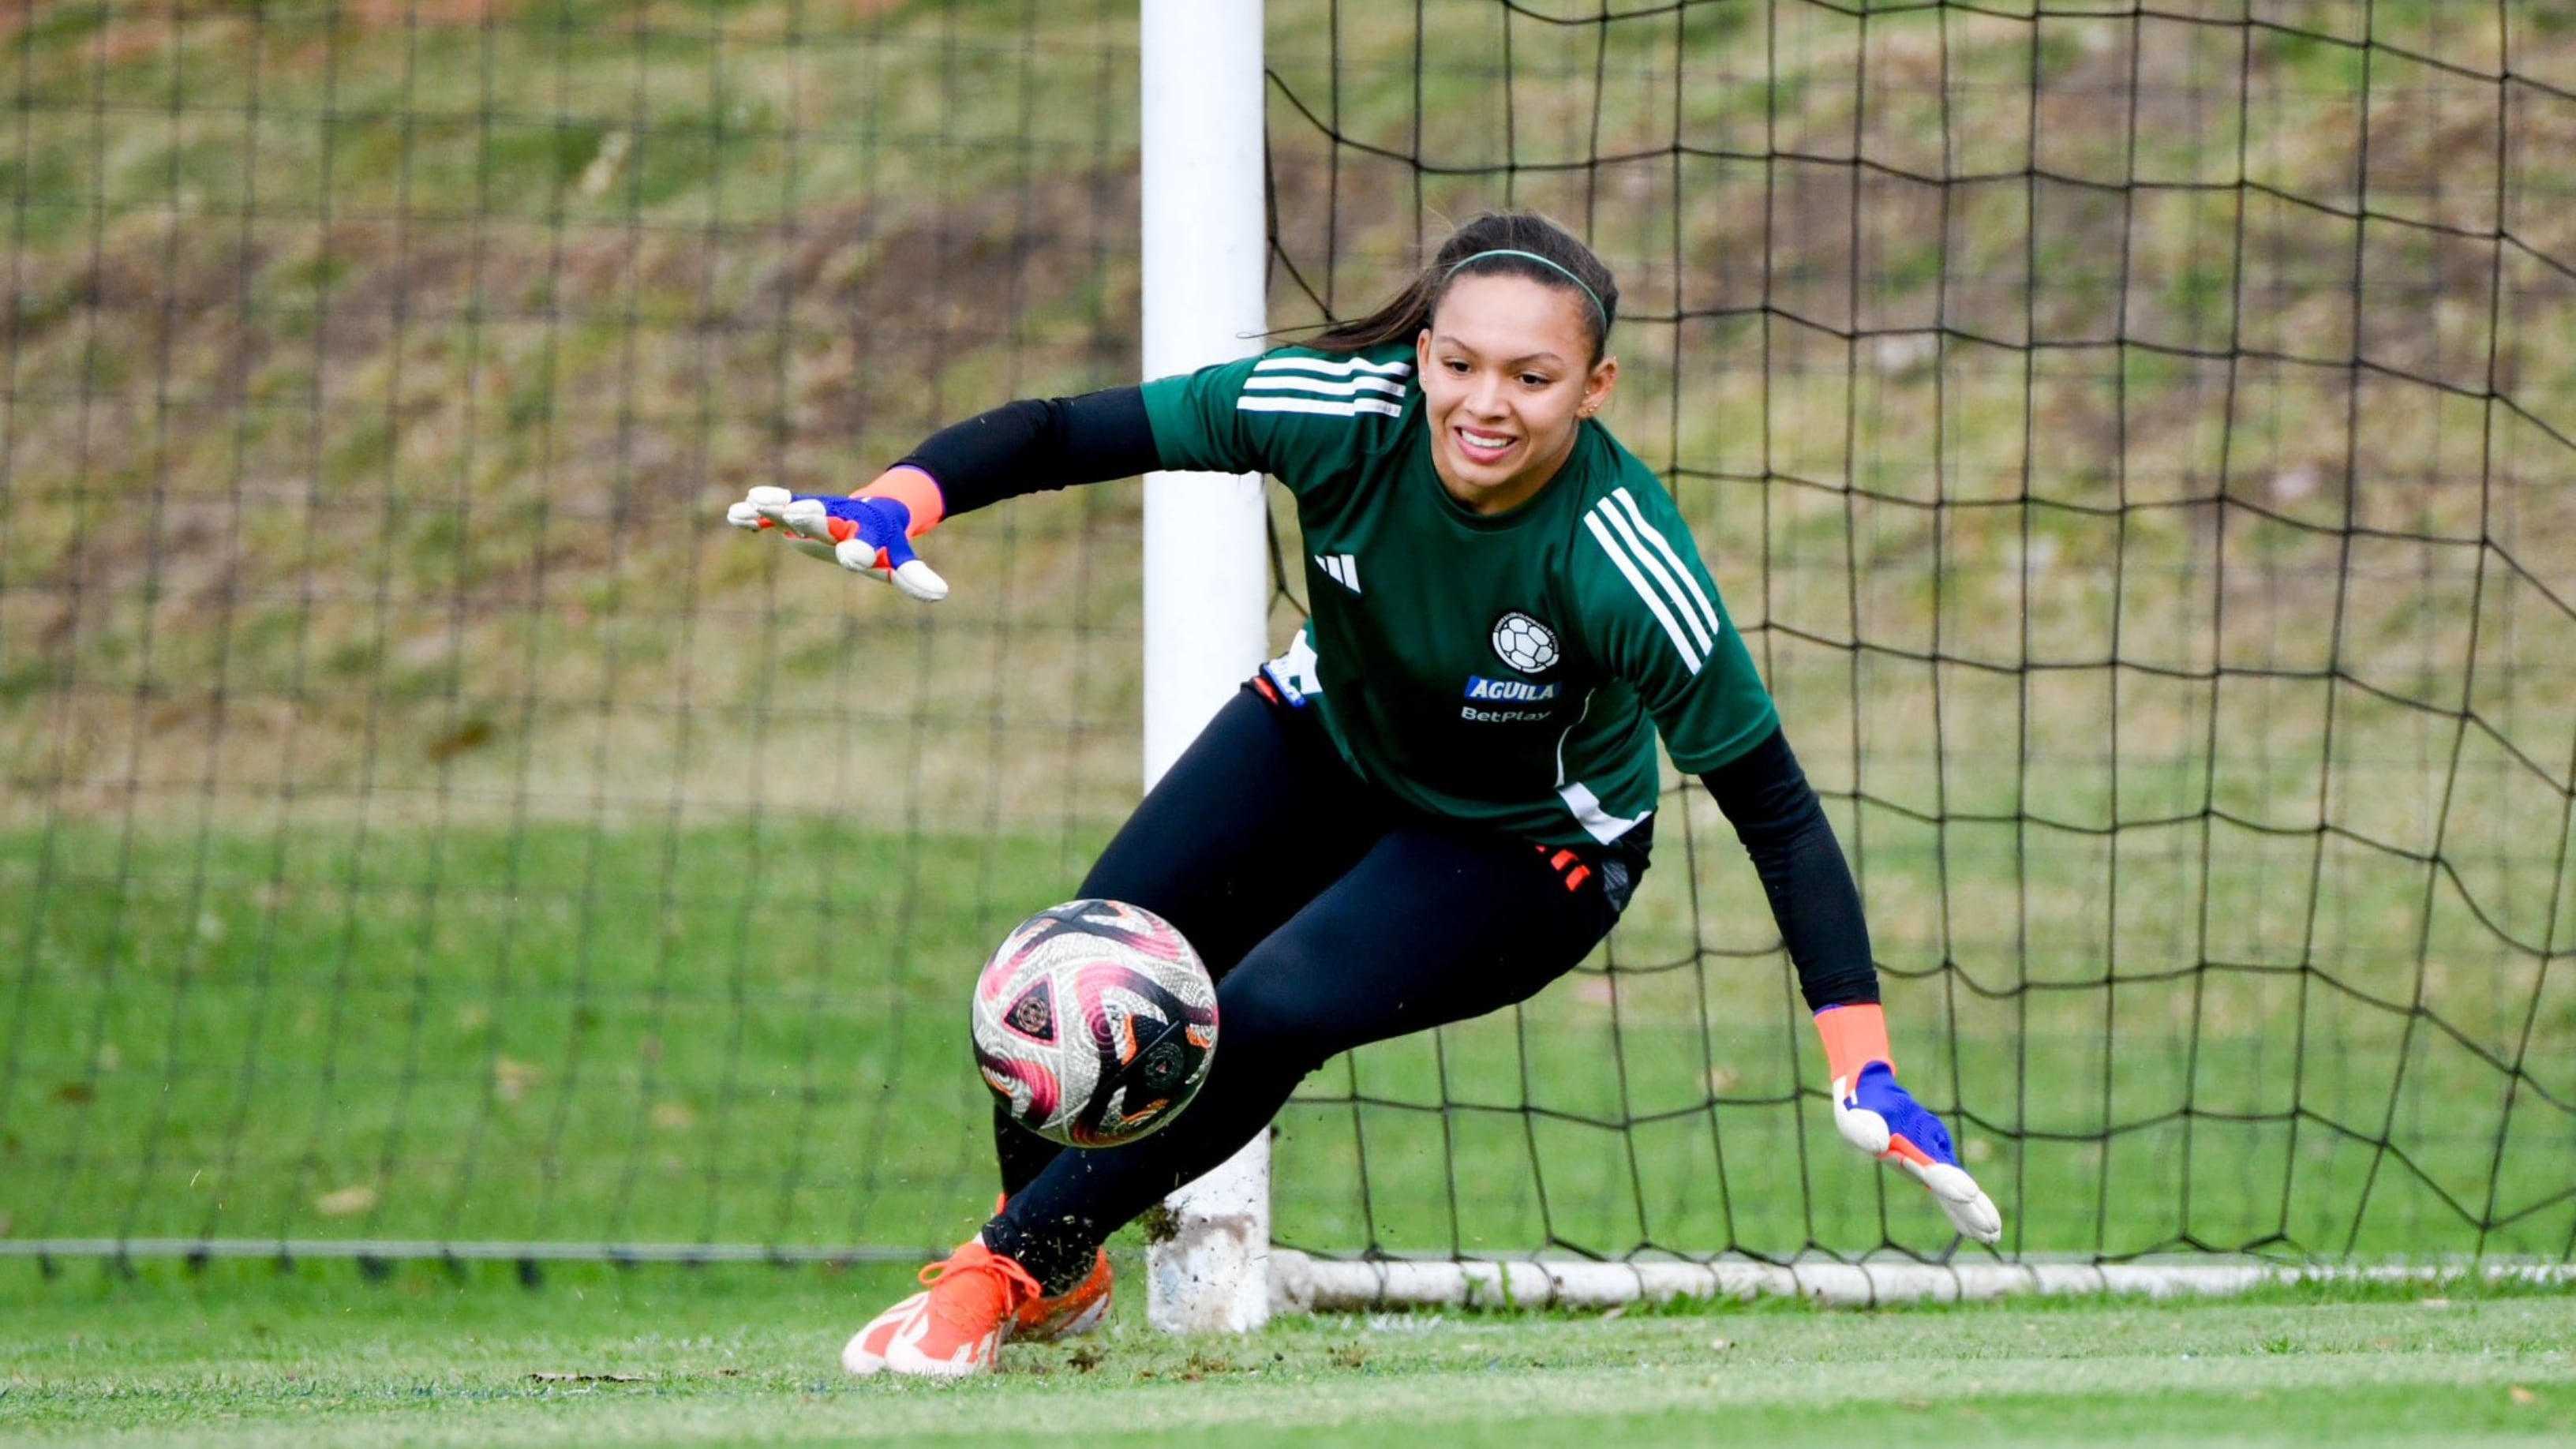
1094	1023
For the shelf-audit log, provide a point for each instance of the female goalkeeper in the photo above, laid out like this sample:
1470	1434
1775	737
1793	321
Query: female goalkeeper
1441	796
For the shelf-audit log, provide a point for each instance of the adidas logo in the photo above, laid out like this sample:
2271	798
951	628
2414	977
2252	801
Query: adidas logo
1344	568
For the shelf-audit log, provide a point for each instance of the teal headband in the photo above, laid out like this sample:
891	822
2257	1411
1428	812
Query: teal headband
1544	262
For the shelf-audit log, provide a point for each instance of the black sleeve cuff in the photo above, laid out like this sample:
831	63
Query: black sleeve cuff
1038	444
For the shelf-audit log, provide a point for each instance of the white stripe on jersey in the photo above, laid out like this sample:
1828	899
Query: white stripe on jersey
1320	388
1619	524
1580	716
1690	581
1598	823
1344	368
1645	591
1351	409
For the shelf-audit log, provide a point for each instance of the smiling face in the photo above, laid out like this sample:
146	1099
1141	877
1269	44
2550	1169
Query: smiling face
1506	381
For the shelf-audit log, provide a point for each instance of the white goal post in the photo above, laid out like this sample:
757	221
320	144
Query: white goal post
1207	583
1303	1284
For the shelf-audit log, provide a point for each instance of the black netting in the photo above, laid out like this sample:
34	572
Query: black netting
2133	439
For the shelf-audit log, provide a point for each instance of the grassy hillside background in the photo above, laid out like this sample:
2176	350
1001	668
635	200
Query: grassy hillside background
2137	448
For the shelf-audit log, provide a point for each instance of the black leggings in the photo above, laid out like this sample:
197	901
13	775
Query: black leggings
1331	916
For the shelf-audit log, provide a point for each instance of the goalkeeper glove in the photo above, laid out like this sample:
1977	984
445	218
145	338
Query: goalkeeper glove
1882	1119
870	532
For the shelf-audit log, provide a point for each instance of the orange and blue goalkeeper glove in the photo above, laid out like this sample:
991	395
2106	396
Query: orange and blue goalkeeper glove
1882	1119
870	532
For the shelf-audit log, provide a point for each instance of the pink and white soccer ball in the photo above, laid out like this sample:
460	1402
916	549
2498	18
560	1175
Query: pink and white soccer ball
1094	1023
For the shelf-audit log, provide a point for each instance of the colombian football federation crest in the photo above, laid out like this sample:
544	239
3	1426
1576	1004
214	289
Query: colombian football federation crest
1524	643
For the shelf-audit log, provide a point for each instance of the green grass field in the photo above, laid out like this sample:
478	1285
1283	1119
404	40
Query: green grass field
243	1357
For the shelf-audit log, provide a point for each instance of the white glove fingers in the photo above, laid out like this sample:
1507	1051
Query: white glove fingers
801	517
917	581
1970	1210
860	557
754	511
1861	1127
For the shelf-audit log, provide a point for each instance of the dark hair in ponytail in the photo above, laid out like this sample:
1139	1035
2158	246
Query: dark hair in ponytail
1568	265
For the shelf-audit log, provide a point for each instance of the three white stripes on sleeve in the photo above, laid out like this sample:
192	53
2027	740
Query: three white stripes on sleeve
1675	598
1332	389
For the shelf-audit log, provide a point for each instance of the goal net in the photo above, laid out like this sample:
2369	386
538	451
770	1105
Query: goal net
2135	441
2132	443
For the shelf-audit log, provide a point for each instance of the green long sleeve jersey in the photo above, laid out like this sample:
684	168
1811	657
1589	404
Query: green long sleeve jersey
1509	669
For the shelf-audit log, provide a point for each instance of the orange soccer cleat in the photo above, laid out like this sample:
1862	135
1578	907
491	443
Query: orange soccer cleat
1075	1312
865	1353
1071	1314
954	1329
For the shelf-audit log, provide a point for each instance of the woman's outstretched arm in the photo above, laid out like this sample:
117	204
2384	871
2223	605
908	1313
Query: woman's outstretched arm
1036	445
1775	812
1029	446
